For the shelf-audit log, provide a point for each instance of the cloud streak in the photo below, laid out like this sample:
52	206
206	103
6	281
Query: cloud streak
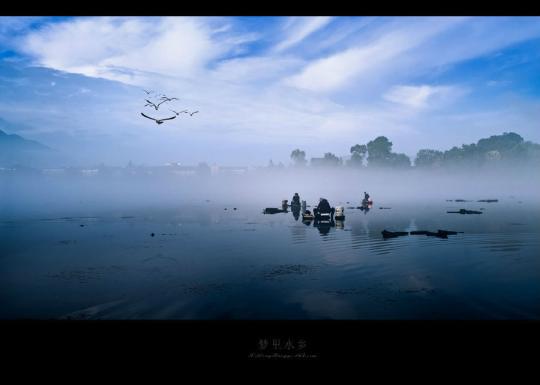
368	76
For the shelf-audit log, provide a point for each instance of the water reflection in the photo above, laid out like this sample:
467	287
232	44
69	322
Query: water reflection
295	212
324	226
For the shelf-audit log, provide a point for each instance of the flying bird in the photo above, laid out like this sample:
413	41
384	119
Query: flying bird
164	98
178	113
158	121
148	92
192	113
156	106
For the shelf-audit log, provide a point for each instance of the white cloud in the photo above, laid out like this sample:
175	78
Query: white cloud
299	29
423	95
101	46
338	70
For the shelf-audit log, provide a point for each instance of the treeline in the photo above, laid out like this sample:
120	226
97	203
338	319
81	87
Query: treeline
506	149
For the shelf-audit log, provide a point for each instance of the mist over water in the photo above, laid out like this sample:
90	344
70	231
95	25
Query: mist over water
194	247
28	195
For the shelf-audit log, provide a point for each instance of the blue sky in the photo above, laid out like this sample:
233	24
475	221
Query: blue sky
267	85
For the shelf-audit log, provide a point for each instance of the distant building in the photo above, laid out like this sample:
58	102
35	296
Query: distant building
233	170
90	171
53	171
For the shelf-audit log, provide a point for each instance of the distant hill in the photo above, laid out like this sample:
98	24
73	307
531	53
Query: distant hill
15	142
16	150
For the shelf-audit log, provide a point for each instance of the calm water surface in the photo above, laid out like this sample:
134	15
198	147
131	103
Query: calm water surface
204	262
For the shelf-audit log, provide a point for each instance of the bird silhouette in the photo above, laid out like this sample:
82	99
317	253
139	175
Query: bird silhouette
167	99
156	106
148	92
178	113
192	113
158	121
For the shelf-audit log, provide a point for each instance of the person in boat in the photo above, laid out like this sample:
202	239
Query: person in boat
295	200
323	207
366	196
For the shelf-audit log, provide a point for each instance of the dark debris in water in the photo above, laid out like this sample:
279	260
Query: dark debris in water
288	269
420	290
203	289
83	276
67	242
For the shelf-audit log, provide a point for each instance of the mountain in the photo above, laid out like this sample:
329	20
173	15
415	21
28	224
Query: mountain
18	143
16	150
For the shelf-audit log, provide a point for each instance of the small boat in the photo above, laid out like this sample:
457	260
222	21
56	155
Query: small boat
340	213
366	204
325	217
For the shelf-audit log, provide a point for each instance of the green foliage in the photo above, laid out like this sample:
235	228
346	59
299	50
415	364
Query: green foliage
429	158
508	148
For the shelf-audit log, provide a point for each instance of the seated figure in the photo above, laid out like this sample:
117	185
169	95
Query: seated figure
323	208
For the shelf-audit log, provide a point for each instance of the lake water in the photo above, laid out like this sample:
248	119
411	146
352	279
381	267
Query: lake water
205	262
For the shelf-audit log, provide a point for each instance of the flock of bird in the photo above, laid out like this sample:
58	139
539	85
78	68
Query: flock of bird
158	102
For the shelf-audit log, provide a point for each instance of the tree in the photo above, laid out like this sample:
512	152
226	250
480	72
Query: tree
429	158
379	151
331	160
299	157
399	160
358	152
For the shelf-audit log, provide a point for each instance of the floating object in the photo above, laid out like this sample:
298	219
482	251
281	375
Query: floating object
340	213
225	208
307	216
385	208
461	200
347	202
234	208
273	210
351	208
463	211
437	234
449	232
152	234
488	200
81	225
393	234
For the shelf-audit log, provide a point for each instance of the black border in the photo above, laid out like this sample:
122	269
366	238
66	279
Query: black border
369	343
275	8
